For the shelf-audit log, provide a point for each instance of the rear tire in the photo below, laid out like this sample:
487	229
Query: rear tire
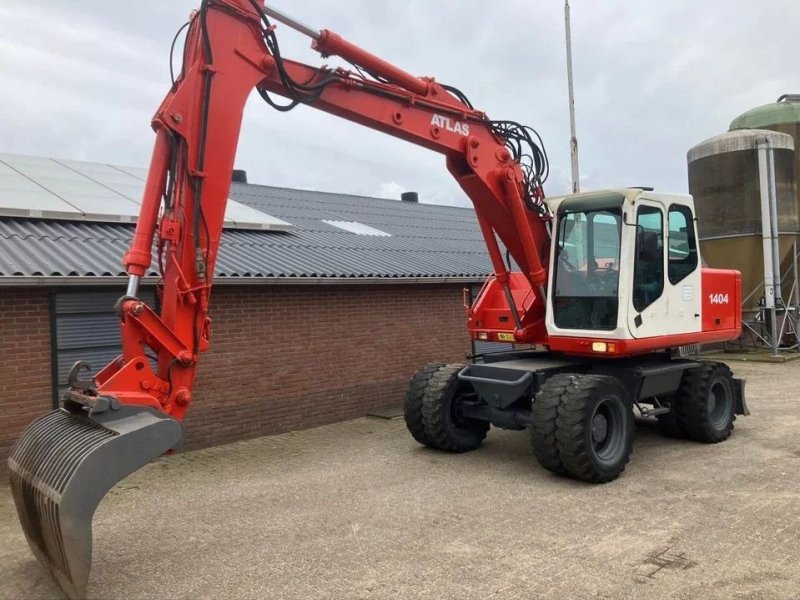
544	412
445	428
595	428
706	401
412	405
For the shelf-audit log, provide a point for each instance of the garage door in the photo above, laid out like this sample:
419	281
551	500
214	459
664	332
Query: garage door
86	328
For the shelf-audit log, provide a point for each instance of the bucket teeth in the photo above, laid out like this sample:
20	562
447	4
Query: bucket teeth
63	465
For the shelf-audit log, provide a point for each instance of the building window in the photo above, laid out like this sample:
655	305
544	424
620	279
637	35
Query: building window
648	270
682	243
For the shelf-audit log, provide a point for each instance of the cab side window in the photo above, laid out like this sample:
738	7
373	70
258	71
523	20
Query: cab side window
648	268
682	243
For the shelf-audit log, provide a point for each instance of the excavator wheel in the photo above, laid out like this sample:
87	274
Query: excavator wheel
707	402
63	465
595	428
544	412
412	405
443	425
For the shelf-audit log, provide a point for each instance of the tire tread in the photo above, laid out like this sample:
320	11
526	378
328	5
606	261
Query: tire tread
544	411
572	423
412	403
440	431
692	397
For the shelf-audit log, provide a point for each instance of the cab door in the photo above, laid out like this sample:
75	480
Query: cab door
684	277
665	287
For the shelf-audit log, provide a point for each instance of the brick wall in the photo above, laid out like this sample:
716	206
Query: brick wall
282	357
25	375
287	357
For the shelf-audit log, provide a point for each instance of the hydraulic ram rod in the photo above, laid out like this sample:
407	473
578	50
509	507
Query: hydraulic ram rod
293	23
328	43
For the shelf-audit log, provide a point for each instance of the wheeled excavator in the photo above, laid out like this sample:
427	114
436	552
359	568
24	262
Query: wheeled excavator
602	294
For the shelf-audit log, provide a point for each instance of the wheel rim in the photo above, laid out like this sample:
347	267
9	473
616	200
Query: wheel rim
456	405
599	428
607	430
719	405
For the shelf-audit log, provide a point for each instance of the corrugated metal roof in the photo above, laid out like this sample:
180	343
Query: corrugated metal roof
426	242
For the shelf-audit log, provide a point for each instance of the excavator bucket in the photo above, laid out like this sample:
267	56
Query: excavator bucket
63	465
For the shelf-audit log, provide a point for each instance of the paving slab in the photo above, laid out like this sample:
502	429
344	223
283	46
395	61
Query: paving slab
359	510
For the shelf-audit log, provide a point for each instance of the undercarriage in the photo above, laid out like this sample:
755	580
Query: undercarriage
580	413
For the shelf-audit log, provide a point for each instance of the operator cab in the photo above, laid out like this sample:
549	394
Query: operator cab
624	265
624	278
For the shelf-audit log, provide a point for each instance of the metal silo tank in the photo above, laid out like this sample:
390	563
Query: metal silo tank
724	181
782	116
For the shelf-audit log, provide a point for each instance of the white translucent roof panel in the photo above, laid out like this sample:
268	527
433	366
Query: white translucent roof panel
38	187
241	216
357	228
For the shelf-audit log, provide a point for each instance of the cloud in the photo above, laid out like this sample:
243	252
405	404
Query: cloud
390	191
652	78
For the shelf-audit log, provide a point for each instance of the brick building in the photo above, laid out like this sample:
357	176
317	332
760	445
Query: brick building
318	322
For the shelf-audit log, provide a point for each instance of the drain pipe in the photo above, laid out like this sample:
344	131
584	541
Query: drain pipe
769	234
773	217
776	251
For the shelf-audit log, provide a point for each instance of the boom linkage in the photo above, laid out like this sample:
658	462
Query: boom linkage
197	128
228	54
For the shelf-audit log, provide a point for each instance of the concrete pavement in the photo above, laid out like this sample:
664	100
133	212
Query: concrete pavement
358	510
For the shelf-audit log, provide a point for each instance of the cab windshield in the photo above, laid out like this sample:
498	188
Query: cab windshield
586	281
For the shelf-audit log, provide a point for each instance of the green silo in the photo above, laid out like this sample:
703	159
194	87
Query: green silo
782	116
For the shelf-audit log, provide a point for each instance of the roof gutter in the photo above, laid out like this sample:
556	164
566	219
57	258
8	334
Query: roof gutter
60	281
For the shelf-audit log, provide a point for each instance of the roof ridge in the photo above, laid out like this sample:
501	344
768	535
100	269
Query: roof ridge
359	196
348	247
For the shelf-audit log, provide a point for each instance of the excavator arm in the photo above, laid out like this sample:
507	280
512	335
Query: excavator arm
131	411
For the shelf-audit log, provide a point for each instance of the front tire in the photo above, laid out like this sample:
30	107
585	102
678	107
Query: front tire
544	412
444	426
595	428
706	400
